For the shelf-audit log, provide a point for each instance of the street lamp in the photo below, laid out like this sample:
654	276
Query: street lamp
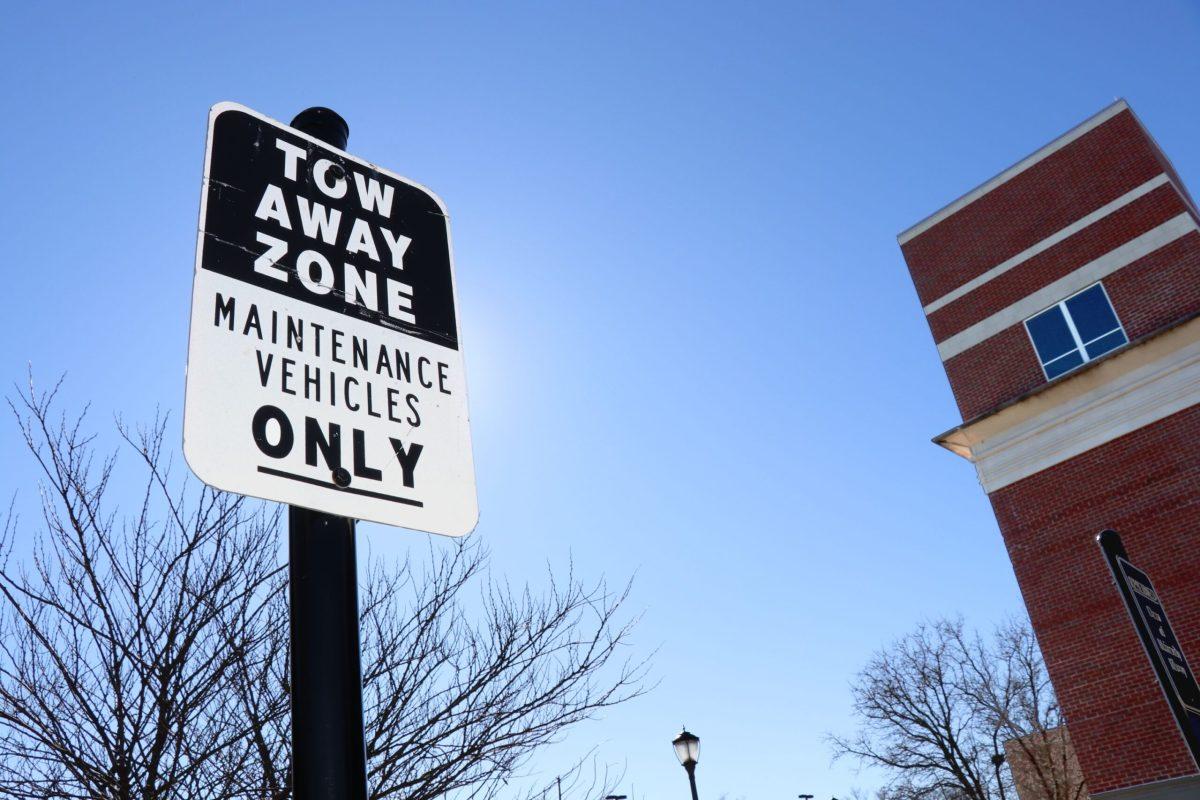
687	749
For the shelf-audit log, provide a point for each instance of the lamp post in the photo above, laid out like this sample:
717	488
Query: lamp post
687	749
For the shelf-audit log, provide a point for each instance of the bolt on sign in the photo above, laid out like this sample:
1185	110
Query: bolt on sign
324	362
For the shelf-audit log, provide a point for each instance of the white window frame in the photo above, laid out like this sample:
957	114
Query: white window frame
1080	345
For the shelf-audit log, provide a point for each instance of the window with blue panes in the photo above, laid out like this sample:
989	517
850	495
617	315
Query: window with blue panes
1071	333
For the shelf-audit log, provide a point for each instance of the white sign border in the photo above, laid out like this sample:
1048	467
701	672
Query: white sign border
227	105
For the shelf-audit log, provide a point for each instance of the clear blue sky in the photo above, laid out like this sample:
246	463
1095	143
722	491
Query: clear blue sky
692	344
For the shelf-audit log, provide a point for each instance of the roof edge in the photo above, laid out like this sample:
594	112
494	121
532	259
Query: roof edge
1004	176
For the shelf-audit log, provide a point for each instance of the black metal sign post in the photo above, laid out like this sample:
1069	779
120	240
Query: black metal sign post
1145	608
328	746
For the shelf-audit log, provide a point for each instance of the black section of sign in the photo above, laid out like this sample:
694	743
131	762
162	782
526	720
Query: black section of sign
1158	638
1154	619
417	299
278	473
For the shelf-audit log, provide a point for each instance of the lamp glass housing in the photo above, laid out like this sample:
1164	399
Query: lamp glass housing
687	748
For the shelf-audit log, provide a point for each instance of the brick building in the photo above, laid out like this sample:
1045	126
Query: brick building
1044	766
1064	298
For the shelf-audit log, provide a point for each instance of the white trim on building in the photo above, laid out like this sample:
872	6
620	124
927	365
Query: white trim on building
1045	244
1083	277
1126	391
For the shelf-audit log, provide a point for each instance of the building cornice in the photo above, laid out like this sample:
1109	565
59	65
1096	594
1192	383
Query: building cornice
1146	381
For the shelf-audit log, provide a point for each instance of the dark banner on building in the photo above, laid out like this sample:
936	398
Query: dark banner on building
1162	646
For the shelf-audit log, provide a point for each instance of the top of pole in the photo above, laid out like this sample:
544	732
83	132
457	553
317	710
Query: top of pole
325	124
1110	542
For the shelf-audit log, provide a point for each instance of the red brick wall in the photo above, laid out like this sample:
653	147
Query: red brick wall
1092	242
1148	294
1146	485
997	369
1159	289
1091	171
1169	168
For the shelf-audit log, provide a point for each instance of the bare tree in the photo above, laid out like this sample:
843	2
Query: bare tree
856	793
119	644
937	707
461	690
1009	680
917	723
145	655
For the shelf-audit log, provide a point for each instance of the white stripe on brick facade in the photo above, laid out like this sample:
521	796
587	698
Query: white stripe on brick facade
1048	242
1081	278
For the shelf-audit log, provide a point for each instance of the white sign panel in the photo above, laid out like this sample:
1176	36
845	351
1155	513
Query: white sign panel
324	367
